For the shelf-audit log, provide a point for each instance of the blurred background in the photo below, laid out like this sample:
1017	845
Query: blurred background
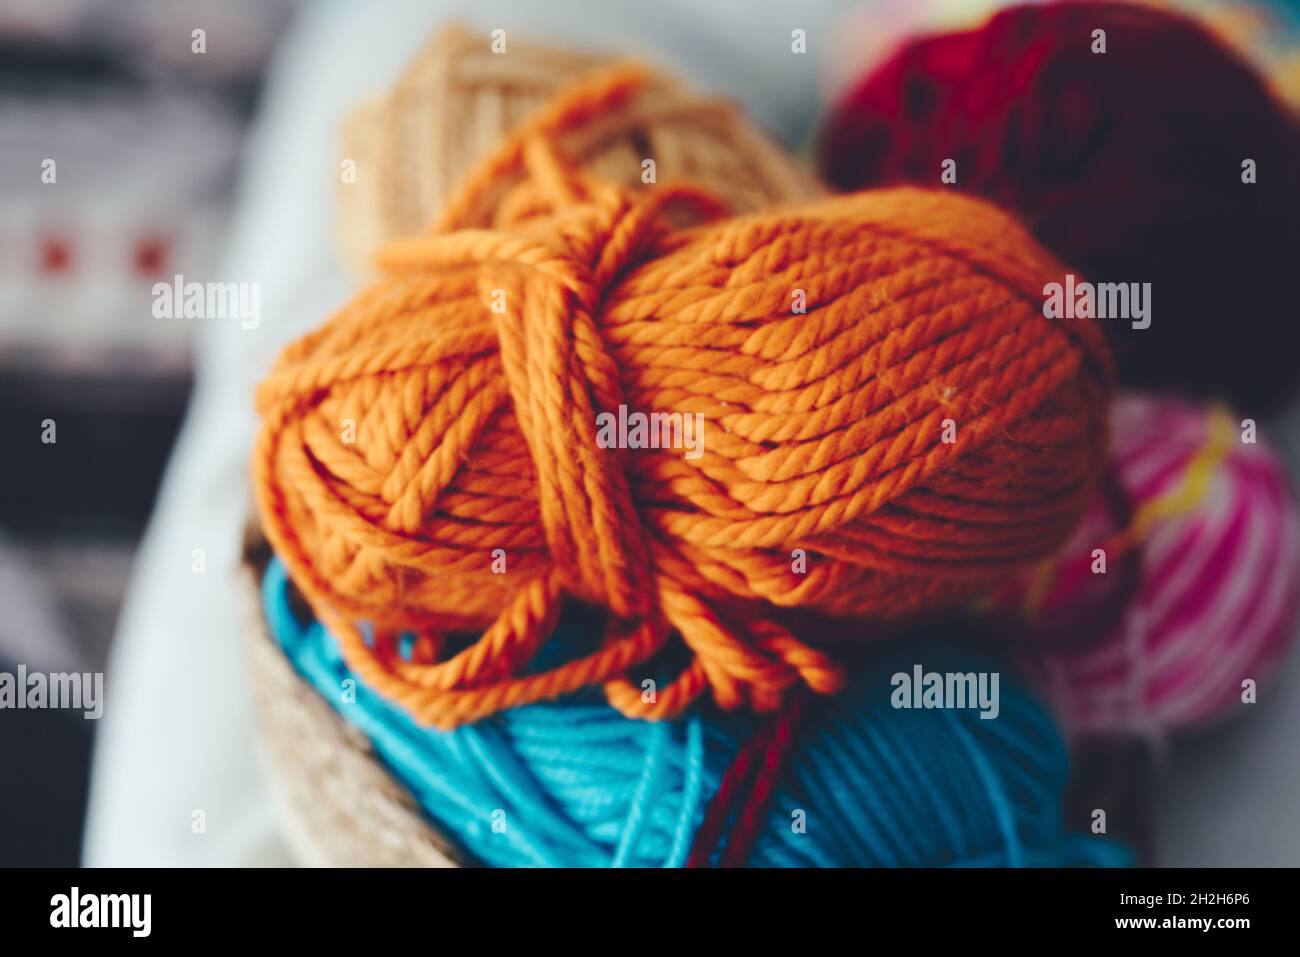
147	141
154	146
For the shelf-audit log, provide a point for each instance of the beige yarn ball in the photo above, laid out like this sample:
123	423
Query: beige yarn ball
457	100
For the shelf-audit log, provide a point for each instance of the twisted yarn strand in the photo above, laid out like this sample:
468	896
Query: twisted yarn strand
475	369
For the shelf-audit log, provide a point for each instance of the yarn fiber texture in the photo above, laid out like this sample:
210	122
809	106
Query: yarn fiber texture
575	784
1128	165
920	432
457	100
1201	585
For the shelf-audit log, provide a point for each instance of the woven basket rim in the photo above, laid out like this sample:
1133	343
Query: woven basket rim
336	801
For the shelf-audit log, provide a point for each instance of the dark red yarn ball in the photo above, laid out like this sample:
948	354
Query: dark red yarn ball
1127	165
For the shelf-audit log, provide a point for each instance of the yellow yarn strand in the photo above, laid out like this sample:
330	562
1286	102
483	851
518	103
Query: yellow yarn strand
1190	491
1186	496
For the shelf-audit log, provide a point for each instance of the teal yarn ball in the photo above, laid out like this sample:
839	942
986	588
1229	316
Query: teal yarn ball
572	783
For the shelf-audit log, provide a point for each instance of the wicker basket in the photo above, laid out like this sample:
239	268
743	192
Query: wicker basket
337	804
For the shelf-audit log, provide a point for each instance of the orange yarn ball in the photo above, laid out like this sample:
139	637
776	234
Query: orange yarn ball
920	432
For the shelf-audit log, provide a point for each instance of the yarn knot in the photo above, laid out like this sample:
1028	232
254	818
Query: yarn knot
542	293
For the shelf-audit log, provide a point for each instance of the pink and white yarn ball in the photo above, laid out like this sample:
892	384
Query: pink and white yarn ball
1199	534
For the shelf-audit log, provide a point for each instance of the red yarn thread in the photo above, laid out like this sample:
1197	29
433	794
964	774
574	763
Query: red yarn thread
751	778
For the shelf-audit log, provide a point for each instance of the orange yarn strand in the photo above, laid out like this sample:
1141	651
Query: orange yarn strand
474	371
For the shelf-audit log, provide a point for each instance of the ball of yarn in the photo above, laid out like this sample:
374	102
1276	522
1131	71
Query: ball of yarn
1128	165
1201	544
890	424
574	784
457	100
